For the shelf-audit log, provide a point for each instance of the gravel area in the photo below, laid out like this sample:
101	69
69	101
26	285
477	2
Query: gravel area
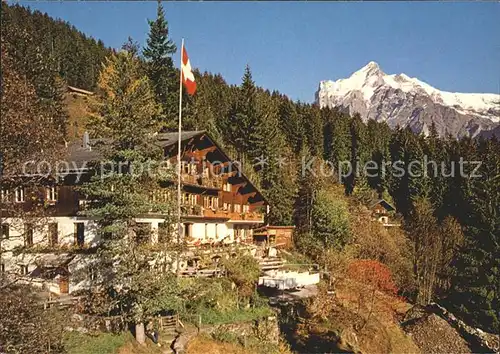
432	334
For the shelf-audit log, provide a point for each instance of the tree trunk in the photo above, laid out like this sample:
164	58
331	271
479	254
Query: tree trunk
140	335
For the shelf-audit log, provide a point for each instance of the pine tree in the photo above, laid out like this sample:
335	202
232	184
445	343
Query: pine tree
276	182
123	118
131	46
160	67
359	154
379	137
423	231
243	126
291	124
337	141
475	290
313	128
404	186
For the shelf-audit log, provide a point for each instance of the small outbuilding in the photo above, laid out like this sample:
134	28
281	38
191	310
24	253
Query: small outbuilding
276	236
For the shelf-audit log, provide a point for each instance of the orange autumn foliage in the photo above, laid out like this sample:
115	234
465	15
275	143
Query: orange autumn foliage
374	274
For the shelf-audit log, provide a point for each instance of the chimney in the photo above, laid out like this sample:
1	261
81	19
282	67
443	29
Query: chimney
86	141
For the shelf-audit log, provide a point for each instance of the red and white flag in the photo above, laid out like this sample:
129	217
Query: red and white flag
187	73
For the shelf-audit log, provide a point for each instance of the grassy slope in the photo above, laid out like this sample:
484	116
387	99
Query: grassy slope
205	344
105	343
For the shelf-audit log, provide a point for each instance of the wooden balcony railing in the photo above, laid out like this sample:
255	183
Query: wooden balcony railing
222	214
210	182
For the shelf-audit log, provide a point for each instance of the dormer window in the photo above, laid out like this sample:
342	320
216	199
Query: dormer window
19	195
52	194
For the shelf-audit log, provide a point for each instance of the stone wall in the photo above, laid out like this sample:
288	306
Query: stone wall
265	329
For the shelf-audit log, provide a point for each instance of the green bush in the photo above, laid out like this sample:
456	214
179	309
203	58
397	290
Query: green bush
244	271
330	220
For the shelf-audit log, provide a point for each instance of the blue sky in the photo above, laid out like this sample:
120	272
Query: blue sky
292	46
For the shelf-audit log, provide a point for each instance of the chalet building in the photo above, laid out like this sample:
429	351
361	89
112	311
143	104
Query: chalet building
275	236
219	205
382	211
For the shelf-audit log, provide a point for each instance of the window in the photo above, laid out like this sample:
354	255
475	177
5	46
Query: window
53	234
52	194
187	230
246	208
226	187
24	269
211	202
5	231
189	199
2	268
19	194
28	235
225	206
5	195
237	208
79	234
185	167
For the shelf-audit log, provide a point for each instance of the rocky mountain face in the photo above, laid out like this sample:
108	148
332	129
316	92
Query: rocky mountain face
403	101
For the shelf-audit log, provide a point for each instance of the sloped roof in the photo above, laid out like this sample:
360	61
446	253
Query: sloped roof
79	156
168	139
384	203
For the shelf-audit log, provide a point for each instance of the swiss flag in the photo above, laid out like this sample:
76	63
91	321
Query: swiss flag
187	73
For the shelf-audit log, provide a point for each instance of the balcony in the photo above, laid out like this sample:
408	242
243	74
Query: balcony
198	211
192	210
202	181
248	216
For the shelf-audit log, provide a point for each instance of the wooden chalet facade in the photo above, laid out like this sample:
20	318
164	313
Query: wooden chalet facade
275	236
382	211
219	204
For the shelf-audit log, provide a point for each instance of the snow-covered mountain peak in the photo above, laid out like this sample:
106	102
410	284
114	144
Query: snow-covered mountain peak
369	88
370	69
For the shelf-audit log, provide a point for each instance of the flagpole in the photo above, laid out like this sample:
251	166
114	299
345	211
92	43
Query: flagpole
179	228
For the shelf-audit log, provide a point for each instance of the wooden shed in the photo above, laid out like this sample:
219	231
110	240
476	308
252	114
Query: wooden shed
277	236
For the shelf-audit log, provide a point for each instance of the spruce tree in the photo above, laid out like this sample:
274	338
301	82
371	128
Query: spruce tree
160	67
404	186
243	126
276	182
475	292
338	142
291	124
135	276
